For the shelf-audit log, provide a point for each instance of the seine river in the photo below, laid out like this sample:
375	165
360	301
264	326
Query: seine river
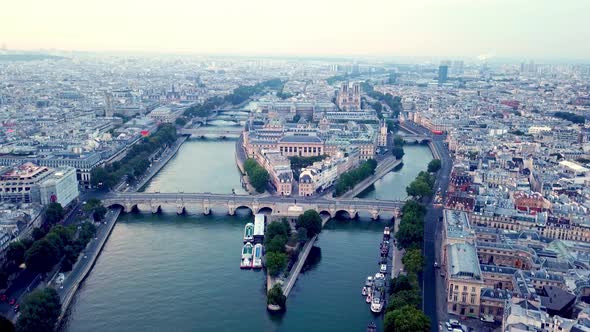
181	273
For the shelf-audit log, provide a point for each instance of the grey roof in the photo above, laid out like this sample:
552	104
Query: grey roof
463	261
301	139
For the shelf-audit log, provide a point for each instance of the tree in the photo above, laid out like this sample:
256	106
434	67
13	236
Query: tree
99	213
275	296
419	189
39	311
398	140
434	165
16	252
302	235
41	256
259	179
399	283
276	244
54	213
409	235
311	221
3	279
6	325
275	228
37	233
405	297
413	260
406	319
398	152
276	262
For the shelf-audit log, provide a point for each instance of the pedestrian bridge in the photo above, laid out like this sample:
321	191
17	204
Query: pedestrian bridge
276	205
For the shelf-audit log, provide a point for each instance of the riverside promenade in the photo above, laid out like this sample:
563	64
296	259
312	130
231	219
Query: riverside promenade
86	261
382	168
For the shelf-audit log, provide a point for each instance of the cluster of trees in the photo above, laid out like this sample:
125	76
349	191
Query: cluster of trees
421	186
275	296
434	165
398	147
94	208
242	93
578	119
204	109
257	174
394	102
403	309
39	311
344	77
136	162
351	178
411	228
54	213
309	223
276	236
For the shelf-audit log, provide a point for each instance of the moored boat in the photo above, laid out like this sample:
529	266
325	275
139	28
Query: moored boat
386	233
377	302
369	295
364	291
257	260
246	262
249	232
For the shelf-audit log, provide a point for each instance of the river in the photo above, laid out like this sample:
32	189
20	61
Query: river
181	273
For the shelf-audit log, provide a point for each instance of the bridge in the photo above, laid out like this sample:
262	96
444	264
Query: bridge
202	131
278	205
416	138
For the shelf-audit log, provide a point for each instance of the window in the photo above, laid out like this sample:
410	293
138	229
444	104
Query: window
472	300
464	288
463	298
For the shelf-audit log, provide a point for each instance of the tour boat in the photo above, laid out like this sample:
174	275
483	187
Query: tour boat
376	302
364	292
246	262
249	232
257	260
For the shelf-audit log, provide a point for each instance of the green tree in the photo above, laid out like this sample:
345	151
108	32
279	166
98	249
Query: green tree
406	319
16	252
276	262
302	235
434	165
276	244
3	279
419	189
259	179
275	296
399	283
41	256
398	140
311	221
398	152
391	126
405	297
54	213
39	311
409	235
99	213
275	228
413	260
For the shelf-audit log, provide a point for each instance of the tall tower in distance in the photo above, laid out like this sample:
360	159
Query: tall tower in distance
108	104
443	72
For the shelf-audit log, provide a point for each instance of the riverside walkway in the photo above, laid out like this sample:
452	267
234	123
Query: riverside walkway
87	260
383	168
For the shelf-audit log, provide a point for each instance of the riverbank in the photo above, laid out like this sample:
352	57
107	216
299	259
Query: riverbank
157	166
87	260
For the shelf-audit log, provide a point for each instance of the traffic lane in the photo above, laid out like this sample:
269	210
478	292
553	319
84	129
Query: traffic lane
26	280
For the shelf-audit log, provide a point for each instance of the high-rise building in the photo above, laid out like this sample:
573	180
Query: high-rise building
443	71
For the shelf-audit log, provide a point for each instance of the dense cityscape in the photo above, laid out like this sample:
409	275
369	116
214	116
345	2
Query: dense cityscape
232	167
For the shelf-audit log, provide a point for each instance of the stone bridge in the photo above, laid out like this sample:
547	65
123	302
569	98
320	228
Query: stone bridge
416	138
276	205
201	131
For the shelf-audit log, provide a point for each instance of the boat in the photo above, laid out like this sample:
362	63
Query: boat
372	327
377	302
369	295
259	223
257	260
386	233
246	262
248	232
369	281
379	276
364	292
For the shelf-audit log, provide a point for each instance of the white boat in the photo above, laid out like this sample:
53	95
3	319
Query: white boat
369	281
379	276
246	262
364	292
249	232
386	233
259	223
376	303
257	260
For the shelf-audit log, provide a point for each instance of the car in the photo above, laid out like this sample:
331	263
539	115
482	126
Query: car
448	326
487	318
12	301
383	268
3	297
16	307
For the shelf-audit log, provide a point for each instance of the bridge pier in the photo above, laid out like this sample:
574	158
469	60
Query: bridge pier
397	213
155	208
206	207
128	207
375	214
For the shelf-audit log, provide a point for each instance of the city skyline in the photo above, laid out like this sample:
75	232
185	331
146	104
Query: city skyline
452	28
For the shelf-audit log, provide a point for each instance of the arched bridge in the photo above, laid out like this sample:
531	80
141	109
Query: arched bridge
200	131
287	206
416	138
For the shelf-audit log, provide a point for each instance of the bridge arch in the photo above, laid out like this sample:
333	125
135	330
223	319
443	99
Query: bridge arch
265	209
244	207
325	213
346	214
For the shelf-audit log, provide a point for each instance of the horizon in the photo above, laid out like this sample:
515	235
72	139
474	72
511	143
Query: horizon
439	29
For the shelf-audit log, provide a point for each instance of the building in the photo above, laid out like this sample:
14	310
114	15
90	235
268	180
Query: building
382	138
162	115
60	187
443	71
464	280
21	184
349	97
279	168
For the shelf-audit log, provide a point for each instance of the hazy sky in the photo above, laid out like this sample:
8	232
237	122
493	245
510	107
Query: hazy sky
519	28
